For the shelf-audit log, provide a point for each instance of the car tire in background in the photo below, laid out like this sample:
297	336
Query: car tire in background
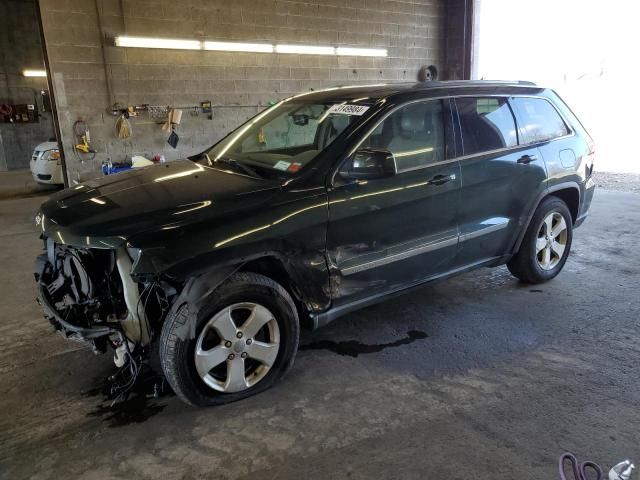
546	244
245	339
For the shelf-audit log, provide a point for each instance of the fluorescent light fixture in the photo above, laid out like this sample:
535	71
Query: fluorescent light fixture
239	47
148	42
362	52
151	42
34	73
306	49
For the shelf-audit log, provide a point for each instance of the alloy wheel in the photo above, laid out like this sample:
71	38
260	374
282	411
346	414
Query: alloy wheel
237	347
551	241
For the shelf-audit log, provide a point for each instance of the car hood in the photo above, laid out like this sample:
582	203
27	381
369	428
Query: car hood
107	212
46	146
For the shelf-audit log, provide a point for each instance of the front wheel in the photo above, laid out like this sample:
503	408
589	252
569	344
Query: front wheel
546	244
245	339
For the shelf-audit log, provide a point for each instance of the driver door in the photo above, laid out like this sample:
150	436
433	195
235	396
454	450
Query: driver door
390	233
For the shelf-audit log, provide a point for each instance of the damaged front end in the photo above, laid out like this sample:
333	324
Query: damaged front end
89	295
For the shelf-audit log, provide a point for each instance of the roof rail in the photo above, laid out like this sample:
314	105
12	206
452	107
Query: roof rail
463	83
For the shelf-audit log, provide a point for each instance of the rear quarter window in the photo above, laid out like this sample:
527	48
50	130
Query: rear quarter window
540	120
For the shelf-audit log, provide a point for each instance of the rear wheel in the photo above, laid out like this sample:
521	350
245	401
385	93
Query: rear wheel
245	339
546	245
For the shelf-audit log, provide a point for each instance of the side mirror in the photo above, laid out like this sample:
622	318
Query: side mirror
370	164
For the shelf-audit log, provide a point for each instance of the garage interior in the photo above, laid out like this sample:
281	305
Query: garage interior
478	376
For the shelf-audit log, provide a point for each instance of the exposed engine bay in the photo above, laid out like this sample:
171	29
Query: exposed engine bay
89	295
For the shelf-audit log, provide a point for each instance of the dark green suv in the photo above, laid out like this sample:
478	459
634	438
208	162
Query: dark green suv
324	203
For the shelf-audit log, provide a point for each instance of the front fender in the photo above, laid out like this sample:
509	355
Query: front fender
195	292
292	231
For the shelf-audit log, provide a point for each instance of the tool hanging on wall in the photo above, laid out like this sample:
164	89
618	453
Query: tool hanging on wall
83	150
173	118
158	112
123	126
206	109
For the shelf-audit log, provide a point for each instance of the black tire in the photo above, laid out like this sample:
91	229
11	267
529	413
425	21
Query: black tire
524	264
177	353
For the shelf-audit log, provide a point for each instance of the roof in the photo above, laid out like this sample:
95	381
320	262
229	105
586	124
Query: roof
375	92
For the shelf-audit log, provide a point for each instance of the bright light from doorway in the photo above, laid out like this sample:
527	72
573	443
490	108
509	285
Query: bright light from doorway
593	73
34	73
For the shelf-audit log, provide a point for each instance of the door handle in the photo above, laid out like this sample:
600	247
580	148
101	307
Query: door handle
526	159
441	179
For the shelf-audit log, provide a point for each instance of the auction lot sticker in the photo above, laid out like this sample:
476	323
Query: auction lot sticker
345	109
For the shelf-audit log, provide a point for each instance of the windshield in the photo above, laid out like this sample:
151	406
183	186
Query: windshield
286	137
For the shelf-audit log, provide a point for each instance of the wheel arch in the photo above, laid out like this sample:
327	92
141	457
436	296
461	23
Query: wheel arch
273	267
269	264
568	192
571	197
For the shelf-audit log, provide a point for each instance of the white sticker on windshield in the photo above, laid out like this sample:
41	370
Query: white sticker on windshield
345	109
282	165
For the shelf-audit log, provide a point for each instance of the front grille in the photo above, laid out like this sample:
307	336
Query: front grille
36	155
44	177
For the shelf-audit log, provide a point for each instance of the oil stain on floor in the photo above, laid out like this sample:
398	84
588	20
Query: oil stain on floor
135	405
143	400
353	348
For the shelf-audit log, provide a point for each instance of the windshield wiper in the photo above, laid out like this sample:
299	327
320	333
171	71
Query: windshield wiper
239	166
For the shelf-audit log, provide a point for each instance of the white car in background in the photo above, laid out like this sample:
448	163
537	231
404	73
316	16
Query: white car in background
45	164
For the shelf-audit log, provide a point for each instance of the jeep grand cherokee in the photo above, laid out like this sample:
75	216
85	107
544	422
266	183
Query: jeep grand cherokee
324	203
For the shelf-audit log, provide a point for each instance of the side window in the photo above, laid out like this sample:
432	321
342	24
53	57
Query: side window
414	134
486	124
540	119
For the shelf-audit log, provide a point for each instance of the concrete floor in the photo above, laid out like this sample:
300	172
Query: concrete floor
20	183
474	377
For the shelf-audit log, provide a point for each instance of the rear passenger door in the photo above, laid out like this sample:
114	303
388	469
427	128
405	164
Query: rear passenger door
500	178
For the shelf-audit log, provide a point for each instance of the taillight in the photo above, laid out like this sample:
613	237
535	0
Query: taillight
590	158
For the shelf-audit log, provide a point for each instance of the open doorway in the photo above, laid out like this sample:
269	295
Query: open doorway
583	50
26	118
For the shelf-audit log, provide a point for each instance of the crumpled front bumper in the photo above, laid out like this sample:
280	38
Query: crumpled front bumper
68	329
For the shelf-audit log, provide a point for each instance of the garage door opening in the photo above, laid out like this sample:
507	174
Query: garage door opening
580	49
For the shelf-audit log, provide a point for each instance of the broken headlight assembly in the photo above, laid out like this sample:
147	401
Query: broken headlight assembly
88	294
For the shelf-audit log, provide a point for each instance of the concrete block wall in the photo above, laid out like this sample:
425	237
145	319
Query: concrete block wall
84	60
20	49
